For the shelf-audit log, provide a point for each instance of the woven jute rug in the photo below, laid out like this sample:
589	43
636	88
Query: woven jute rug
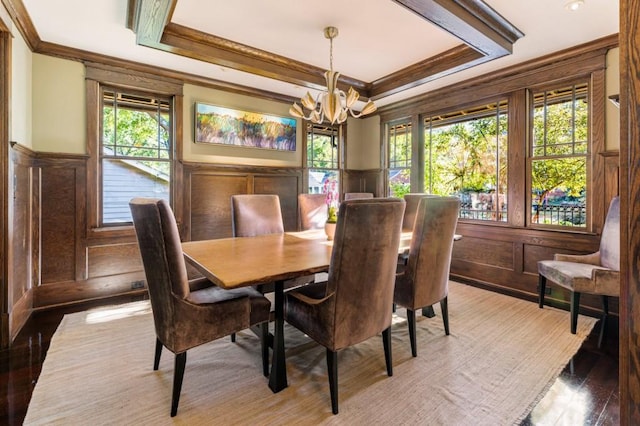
502	355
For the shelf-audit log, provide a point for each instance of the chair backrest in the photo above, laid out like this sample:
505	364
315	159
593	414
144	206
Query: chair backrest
357	195
430	251
256	214
363	265
610	238
411	208
163	261
312	209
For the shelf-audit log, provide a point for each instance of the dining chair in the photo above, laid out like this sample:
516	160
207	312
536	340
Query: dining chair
183	317
424	281
357	195
312	210
412	199
596	273
338	313
256	214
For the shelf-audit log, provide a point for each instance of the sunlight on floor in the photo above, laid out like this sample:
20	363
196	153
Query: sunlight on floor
113	313
565	402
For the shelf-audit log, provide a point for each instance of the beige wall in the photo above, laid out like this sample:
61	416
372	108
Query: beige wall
20	129
612	113
363	145
212	153
59	110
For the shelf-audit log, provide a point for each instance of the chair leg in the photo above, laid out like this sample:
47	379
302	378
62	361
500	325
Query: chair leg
393	308
332	369
233	337
444	307
575	307
605	315
178	374
386	342
542	284
264	346
411	321
156	359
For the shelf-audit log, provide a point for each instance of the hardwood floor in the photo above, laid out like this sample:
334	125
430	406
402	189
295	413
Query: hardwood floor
585	393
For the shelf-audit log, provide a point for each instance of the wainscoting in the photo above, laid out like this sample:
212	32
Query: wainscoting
56	259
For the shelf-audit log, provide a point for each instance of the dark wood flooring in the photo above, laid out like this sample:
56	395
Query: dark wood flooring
586	393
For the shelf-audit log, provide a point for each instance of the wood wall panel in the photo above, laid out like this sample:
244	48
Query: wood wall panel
210	201
364	181
286	187
484	251
113	259
58	224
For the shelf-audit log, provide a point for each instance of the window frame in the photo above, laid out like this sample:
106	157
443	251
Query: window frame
307	165
410	132
530	157
96	77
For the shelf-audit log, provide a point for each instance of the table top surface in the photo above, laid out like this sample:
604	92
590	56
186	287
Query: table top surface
239	262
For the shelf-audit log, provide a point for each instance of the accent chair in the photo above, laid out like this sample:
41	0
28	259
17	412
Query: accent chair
595	273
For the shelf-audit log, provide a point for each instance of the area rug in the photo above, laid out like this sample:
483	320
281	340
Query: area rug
501	357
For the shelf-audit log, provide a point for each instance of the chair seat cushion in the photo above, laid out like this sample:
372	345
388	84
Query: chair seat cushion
571	275
260	305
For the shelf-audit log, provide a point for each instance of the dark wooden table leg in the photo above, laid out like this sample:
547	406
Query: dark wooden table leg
278	376
428	312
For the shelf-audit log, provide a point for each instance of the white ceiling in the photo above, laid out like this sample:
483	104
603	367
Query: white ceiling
377	37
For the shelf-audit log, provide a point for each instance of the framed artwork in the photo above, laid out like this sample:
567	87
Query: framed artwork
226	126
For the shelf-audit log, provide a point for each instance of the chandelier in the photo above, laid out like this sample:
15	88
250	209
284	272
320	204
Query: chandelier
331	104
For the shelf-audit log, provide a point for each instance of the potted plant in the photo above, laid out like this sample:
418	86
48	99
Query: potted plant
332	207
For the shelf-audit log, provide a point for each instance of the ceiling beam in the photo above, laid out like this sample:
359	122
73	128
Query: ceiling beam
486	36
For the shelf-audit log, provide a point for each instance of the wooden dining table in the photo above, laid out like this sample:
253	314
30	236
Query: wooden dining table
244	261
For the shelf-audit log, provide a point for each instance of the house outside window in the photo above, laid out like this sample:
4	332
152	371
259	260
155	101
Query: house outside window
466	156
135	151
559	154
323	158
399	155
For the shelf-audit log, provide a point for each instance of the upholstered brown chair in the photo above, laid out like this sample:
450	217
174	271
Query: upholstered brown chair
357	195
595	273
186	318
425	279
260	214
340	313
256	214
312	210
411	208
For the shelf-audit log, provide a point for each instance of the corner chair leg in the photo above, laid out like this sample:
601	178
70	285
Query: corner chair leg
542	284
178	374
444	307
332	370
605	315
575	307
233	337
386	342
264	346
156	359
411	321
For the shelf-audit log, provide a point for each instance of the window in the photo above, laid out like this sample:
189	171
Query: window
466	156
135	151
399	145
323	158
559	156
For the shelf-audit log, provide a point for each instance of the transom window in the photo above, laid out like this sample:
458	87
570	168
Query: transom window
558	156
466	156
135	151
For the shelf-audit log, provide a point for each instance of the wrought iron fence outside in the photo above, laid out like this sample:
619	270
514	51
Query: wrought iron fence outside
562	214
